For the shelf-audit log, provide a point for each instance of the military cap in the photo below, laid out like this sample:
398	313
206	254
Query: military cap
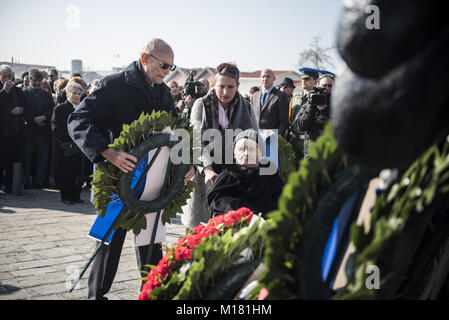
307	74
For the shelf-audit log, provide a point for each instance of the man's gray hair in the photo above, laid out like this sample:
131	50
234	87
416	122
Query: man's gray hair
6	68
155	45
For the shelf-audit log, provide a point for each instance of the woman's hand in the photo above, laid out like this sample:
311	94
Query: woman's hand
189	174
122	160
210	176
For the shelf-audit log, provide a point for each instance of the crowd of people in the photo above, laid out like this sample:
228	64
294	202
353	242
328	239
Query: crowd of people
33	131
59	127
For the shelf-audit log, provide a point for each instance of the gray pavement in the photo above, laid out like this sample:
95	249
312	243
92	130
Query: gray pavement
44	244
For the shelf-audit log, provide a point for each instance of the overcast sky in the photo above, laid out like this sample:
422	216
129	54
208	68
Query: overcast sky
255	34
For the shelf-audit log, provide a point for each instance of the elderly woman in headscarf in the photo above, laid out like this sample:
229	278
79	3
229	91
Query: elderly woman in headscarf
243	184
222	108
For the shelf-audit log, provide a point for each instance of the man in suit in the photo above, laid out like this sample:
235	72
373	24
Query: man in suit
270	104
98	120
39	134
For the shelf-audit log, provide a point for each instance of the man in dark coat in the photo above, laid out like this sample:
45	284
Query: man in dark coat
308	80
270	104
312	118
99	119
13	111
38	131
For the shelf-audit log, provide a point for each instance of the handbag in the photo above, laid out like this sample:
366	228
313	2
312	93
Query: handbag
69	148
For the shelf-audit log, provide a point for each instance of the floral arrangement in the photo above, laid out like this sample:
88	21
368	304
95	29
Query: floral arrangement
106	179
197	262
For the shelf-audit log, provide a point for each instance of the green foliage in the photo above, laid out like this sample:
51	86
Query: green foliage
299	196
105	178
212	260
287	158
417	189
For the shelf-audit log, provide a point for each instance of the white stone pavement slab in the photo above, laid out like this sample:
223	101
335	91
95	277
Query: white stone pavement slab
44	244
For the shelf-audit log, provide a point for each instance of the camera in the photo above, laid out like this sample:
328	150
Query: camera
190	86
319	97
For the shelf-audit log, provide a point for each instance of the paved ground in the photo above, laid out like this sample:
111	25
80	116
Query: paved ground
43	245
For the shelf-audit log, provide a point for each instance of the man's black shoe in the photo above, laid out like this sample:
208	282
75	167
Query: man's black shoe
67	201
78	201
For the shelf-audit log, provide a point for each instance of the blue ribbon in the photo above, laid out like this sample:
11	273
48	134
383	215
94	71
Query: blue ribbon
102	225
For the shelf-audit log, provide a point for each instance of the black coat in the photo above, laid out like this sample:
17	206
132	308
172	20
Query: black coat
12	128
311	121
119	99
235	188
60	164
11	124
40	107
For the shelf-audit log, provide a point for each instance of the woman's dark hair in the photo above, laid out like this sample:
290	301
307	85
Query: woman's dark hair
229	70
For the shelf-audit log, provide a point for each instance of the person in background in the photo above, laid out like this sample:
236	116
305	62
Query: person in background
14	110
309	79
270	104
174	89
39	134
287	86
93	85
222	108
52	77
66	157
312	118
46	86
252	91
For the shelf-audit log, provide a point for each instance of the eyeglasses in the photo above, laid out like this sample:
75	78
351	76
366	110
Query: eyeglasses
164	65
327	85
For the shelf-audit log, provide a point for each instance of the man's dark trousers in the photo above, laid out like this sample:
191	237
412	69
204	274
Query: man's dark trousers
104	267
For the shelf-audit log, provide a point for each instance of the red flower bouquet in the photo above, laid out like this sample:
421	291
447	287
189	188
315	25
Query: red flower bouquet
183	249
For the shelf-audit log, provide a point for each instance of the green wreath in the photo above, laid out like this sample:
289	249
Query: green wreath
138	138
287	158
309	203
409	229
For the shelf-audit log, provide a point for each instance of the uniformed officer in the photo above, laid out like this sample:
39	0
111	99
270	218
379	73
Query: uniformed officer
309	79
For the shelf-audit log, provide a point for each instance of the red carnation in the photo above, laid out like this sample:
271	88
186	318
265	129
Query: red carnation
232	217
163	268
193	240
180	241
199	228
246	212
217	220
183	253
208	231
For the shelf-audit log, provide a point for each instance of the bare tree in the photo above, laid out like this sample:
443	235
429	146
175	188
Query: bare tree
316	56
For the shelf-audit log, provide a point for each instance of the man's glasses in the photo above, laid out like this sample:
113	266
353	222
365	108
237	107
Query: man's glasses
327	85
164	65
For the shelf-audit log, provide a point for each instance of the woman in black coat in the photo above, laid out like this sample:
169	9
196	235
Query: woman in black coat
66	157
244	184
